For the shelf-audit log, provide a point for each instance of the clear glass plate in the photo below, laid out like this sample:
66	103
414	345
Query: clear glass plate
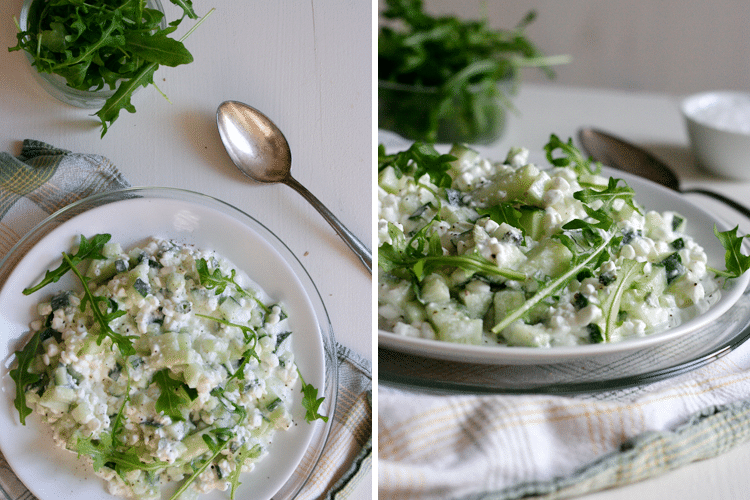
616	371
130	216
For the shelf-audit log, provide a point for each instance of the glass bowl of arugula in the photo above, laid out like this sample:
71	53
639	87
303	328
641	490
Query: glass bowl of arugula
84	79
449	80
97	54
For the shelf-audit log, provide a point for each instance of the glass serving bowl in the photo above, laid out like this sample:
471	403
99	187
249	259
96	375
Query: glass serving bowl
56	85
419	113
131	215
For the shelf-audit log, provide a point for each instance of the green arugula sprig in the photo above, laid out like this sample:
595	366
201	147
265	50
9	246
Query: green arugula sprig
116	44
418	256
87	249
174	395
570	156
310	401
103	309
736	263
214	280
588	245
251	341
418	160
108	450
22	377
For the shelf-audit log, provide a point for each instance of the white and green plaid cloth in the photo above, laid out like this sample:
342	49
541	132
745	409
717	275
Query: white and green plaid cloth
43	179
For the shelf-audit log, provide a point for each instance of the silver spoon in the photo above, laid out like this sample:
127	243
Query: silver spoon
259	149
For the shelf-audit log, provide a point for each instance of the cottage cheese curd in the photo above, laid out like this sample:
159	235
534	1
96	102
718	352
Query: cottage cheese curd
442	250
219	361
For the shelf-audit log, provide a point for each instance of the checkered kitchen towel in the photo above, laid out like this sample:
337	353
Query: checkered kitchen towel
43	179
506	447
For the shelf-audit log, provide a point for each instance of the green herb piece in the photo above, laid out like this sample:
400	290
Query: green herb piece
87	249
570	156
735	261
216	445
417	257
587	253
104	310
22	377
174	395
116	44
108	450
418	160
243	455
611	306
310	401
218	282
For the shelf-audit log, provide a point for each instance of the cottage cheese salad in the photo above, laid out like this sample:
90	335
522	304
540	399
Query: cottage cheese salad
507	253
169	366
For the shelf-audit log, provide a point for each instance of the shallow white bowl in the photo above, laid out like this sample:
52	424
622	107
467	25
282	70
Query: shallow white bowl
653	197
718	125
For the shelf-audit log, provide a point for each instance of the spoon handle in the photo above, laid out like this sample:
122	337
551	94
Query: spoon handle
728	201
359	248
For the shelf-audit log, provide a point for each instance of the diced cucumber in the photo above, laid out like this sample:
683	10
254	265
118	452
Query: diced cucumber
506	301
532	222
521	334
550	257
435	289
477	297
58	398
82	413
453	324
388	180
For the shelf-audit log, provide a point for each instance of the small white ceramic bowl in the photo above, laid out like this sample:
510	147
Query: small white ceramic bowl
718	125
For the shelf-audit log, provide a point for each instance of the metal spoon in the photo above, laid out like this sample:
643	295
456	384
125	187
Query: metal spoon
618	153
259	149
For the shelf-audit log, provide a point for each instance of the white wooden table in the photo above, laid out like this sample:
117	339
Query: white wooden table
307	65
653	121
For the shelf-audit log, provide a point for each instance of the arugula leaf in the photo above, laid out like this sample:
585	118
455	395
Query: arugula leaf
571	156
216	446
108	450
243	455
104	310
587	252
310	401
218	282
418	160
87	249
22	377
736	263
419	256
174	395
630	270
608	195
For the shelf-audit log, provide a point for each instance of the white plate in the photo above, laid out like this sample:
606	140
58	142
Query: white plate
131	216
653	197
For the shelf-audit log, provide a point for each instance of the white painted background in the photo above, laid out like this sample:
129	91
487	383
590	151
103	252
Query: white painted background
671	46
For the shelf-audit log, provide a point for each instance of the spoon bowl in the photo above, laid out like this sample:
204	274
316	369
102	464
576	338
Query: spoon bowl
254	143
259	150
